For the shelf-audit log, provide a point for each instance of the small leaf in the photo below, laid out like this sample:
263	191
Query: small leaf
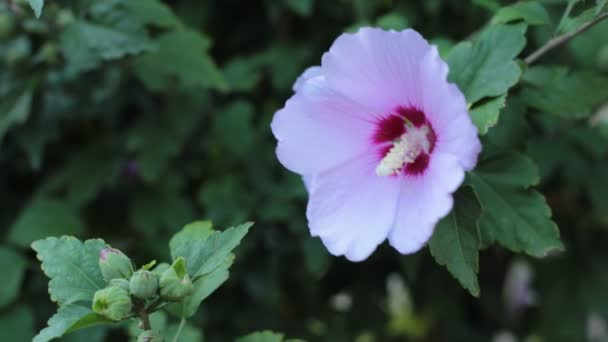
513	215
486	67
202	288
455	242
43	217
181	58
36	5
68	319
72	267
207	253
531	12
13	266
485	115
261	336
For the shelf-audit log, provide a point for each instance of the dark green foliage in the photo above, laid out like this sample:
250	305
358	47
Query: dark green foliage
126	119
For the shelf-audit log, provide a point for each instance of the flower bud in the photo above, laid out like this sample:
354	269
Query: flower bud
112	303
114	264
175	283
143	284
122	283
150	336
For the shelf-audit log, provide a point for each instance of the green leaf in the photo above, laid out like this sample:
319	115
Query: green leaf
392	21
485	68
36	5
206	253
455	242
301	7
72	267
17	324
43	217
112	34
203	287
13	266
208	257
555	90
69	319
316	257
531	12
199	230
14	110
236	120
485	115
181	59
153	12
600	5
261	336
513	215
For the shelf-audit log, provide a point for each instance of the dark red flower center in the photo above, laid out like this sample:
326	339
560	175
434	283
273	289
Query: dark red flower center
405	140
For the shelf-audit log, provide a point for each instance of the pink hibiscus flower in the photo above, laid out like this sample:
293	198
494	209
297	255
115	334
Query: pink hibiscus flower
381	139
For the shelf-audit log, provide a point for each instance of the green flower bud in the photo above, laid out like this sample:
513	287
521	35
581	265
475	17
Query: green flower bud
143	284
149	336
122	283
175	283
114	264
112	303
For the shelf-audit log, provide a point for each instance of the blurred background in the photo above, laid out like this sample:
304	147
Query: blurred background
127	119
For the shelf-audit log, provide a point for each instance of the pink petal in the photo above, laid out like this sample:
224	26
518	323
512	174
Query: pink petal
317	130
423	201
376	67
309	73
446	108
352	209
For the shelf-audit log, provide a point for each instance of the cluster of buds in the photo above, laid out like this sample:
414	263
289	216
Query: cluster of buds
129	291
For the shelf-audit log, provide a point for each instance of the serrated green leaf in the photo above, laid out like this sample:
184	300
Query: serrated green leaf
72	266
14	110
69	319
531	12
153	12
261	336
113	35
485	68
13	266
181	59
207	253
569	24
43	217
36	5
199	230
203	287
513	215
485	115
455	242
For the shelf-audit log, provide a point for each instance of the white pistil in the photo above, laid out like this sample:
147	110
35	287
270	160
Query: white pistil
405	150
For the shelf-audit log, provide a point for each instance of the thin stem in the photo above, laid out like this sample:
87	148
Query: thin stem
182	323
145	320
563	39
